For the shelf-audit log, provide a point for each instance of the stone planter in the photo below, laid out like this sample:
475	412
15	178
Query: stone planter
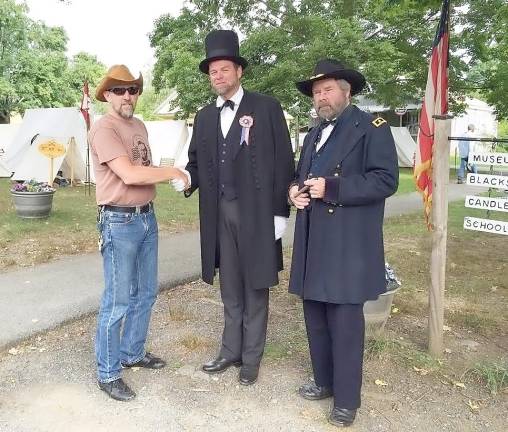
377	311
33	205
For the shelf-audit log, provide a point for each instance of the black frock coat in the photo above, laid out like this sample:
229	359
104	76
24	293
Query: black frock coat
262	170
338	254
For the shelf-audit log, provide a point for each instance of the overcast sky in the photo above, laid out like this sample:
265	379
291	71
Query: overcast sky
116	31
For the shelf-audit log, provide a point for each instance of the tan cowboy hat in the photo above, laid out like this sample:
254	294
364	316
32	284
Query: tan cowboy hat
117	75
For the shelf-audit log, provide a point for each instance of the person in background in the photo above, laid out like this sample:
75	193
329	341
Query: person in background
465	147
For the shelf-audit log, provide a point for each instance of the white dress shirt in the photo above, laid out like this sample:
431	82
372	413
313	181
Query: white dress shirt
325	134
227	115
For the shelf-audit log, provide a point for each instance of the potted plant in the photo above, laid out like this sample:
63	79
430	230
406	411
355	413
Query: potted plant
32	199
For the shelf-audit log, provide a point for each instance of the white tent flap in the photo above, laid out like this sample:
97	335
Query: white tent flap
405	144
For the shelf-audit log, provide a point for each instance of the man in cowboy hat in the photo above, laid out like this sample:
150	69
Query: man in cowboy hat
125	188
349	165
241	160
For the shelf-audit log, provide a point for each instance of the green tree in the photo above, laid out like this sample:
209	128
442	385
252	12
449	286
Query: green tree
34	69
13	41
388	40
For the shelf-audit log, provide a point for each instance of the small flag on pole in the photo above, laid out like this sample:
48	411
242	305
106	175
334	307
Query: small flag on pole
85	105
435	102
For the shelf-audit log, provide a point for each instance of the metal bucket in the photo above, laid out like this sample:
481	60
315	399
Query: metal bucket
376	312
33	205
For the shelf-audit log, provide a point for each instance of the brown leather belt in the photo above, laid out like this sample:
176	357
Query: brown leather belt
138	209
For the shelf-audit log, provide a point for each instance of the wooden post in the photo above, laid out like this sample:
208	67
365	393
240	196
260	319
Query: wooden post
72	144
440	180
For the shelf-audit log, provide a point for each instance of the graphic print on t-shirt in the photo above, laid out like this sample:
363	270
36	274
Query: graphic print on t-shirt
141	151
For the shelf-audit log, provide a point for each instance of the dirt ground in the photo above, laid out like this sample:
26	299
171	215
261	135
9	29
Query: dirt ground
48	382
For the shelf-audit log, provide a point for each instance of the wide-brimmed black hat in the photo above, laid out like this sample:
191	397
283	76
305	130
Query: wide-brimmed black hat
329	68
222	45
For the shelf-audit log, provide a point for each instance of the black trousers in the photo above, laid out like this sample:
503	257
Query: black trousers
245	309
336	338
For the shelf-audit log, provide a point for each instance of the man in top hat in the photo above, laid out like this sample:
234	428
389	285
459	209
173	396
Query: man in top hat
349	165
240	158
125	189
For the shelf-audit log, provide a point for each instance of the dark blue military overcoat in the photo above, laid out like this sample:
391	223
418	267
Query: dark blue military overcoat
338	254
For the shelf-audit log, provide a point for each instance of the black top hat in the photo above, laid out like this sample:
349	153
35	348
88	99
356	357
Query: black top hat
222	45
329	68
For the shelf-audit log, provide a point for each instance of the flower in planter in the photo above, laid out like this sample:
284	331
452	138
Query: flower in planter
32	186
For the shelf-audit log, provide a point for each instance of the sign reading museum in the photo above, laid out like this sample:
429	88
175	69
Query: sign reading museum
495	159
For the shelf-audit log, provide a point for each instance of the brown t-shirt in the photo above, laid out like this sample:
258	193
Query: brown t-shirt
110	138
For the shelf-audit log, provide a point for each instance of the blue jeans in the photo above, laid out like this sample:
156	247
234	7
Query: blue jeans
461	174
129	243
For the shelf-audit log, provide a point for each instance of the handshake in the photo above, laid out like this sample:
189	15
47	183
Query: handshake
179	184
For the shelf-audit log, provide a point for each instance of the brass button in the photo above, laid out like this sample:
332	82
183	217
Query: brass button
330	210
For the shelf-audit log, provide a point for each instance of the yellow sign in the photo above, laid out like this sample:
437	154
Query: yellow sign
51	149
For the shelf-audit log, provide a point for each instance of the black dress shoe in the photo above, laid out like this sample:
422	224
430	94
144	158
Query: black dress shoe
248	375
149	361
117	390
315	392
342	417
220	364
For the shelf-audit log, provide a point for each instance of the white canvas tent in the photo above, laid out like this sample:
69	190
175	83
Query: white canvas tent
167	140
39	167
7	133
61	124
4	171
405	145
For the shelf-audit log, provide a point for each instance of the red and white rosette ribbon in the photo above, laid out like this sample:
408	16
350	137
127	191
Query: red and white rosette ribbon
246	122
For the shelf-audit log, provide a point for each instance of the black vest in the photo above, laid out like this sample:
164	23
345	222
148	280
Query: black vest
226	152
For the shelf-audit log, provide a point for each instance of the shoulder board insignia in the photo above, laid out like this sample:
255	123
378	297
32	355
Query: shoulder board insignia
378	121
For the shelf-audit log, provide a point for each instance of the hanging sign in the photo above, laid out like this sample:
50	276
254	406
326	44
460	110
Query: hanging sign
486	225
487	203
495	159
487	180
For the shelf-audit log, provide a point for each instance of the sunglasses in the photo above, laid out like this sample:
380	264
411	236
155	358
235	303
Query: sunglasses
120	91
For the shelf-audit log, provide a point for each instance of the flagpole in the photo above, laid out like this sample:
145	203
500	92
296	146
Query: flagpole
431	172
440	180
85	110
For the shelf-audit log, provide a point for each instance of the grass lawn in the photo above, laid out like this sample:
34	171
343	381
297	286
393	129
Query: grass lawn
406	181
477	270
71	227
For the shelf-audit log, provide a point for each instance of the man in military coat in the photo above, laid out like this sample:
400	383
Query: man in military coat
349	165
240	158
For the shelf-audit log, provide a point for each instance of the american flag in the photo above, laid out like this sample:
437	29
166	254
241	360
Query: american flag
435	102
85	105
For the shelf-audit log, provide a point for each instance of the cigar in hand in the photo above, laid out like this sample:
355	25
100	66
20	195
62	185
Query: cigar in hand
301	191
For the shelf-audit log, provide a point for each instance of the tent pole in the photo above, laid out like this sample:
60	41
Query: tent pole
71	150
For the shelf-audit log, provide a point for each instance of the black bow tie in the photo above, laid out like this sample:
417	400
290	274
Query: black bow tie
326	123
228	103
